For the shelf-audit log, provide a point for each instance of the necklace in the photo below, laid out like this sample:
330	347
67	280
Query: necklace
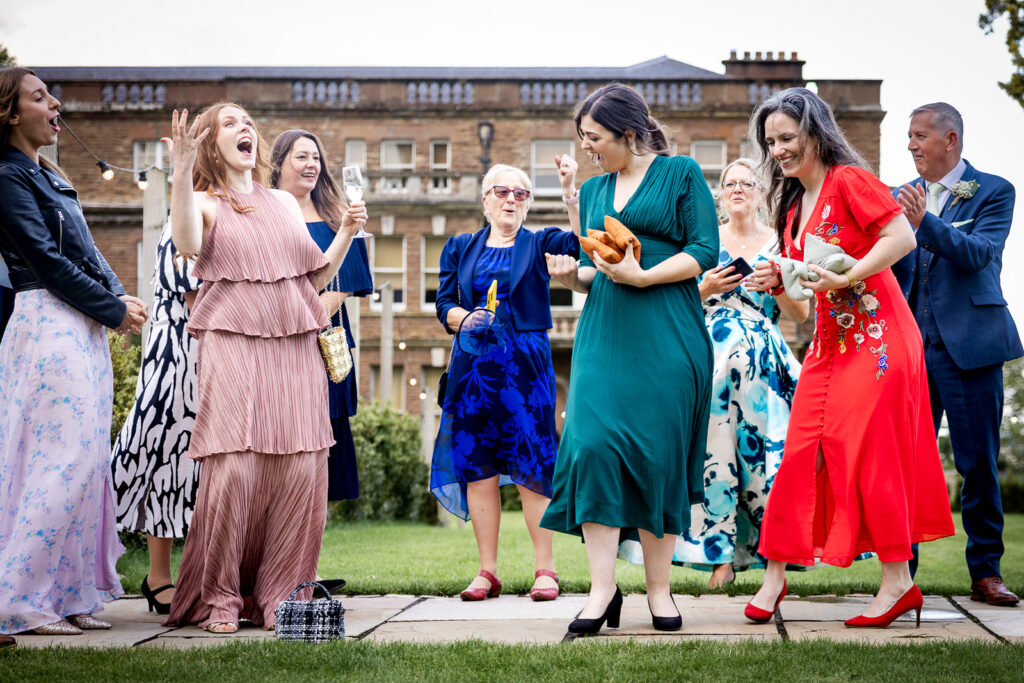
736	238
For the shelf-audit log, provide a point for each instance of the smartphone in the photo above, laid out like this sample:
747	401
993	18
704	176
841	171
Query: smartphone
740	265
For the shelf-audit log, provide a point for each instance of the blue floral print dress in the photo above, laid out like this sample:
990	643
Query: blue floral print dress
498	417
754	379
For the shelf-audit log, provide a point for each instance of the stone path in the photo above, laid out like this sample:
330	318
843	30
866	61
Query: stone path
516	619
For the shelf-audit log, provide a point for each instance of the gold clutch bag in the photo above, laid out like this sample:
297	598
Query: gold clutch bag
334	348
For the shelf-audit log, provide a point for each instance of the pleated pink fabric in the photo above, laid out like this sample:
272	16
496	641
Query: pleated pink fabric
262	427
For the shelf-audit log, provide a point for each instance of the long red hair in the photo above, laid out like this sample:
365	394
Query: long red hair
209	174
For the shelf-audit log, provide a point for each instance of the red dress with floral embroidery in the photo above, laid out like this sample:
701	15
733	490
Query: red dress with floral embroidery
863	397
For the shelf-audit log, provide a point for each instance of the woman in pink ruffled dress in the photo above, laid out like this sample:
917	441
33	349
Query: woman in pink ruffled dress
262	428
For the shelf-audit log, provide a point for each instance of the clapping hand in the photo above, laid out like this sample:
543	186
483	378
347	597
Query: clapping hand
914	202
184	143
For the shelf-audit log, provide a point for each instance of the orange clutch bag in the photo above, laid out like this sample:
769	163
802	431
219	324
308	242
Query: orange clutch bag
612	242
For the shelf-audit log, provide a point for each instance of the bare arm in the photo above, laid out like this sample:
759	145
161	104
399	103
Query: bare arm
187	216
567	168
895	240
764	278
332	301
681	266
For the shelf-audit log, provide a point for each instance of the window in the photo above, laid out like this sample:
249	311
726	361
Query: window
397	155
355	153
543	173
388	264
440	164
431	269
440	155
397	386
152	153
710	154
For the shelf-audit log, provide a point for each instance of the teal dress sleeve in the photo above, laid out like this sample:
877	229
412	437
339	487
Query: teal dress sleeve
696	215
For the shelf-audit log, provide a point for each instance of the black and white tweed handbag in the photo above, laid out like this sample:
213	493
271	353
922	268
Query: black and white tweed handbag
314	621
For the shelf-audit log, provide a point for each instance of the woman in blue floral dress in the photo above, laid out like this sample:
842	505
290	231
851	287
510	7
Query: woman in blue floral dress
752	389
498	419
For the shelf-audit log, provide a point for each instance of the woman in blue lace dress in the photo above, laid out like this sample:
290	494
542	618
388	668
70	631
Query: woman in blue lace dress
498	419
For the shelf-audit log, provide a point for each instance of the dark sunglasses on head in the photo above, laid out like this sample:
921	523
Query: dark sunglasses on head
501	192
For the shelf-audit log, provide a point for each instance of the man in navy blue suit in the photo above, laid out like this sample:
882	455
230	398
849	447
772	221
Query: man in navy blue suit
951	281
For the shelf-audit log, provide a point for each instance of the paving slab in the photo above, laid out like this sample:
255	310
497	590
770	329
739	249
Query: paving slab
132	623
705	616
834	608
504	608
529	631
686	637
1006	622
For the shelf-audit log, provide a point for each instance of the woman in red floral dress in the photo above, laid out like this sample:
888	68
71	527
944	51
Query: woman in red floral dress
861	469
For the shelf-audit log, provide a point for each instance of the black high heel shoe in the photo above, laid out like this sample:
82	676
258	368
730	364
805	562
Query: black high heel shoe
665	623
150	595
611	615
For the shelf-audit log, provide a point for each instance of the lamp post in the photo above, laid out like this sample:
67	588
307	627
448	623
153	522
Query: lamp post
387	336
485	133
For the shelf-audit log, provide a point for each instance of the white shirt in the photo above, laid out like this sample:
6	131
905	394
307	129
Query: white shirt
948	181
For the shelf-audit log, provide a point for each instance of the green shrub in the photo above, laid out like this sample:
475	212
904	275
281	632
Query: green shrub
126	359
393	479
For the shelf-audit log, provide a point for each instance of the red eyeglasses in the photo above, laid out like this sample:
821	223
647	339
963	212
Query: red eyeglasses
501	192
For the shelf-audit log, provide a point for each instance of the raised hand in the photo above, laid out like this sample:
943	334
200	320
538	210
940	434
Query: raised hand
567	168
914	201
184	142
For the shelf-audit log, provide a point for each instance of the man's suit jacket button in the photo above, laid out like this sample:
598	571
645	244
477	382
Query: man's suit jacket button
925	309
924	279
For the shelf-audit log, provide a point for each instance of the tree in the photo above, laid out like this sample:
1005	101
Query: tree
1014	12
6	58
1012	450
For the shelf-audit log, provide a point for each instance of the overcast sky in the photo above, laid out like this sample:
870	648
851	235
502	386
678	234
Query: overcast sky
922	51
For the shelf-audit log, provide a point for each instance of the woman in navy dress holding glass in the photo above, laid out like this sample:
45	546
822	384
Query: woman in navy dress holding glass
299	166
498	419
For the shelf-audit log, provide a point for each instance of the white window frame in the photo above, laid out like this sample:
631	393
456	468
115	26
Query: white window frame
355	152
434	165
548	164
424	269
398	168
161	156
380	275
711	171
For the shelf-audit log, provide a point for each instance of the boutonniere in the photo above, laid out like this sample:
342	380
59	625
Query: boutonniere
963	190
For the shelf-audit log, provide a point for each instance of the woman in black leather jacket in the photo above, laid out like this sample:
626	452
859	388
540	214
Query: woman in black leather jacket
58	541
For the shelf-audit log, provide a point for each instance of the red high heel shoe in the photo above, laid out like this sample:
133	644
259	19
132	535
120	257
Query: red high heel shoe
542	594
761	616
911	600
471	594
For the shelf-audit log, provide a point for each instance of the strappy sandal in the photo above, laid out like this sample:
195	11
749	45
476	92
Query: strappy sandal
473	594
222	627
543	594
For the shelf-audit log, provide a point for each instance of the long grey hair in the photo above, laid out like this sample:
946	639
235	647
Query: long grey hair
824	138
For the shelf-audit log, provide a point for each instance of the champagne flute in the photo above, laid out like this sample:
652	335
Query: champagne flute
352	182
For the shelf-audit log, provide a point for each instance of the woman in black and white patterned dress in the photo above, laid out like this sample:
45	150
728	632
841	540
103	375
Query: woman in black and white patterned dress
154	479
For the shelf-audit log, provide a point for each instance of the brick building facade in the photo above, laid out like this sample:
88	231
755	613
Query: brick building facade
416	133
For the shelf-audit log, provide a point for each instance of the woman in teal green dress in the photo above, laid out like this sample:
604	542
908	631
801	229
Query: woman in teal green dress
632	450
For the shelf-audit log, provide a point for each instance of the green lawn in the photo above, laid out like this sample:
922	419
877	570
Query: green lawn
408	558
575	661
